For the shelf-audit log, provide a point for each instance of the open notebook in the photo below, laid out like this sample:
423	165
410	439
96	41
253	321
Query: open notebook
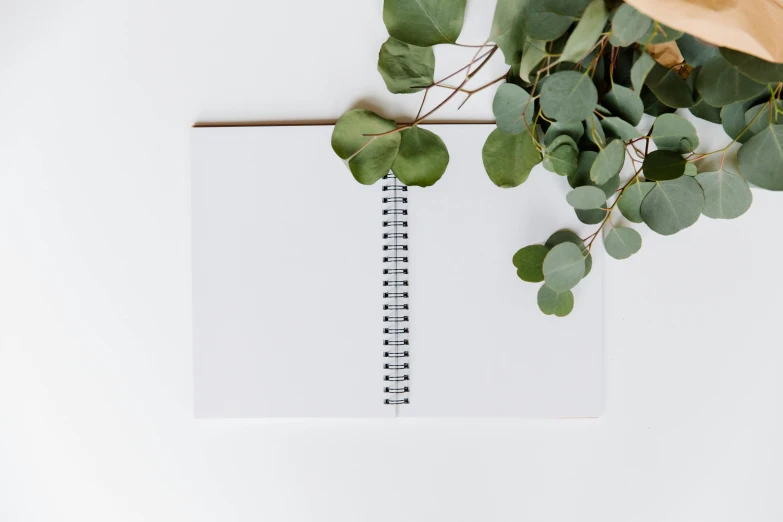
315	296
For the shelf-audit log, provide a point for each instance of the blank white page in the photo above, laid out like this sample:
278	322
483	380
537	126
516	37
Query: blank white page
286	277
480	347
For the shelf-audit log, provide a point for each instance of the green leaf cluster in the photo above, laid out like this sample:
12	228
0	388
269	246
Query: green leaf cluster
581	77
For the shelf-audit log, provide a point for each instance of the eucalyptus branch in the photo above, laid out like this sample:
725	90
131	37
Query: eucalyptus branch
441	104
568	110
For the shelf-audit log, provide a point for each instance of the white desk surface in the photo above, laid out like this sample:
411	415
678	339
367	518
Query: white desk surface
96	417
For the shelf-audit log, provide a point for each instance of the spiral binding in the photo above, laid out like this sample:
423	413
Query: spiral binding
395	295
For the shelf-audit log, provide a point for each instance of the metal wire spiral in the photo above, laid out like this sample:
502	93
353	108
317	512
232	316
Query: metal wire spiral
395	290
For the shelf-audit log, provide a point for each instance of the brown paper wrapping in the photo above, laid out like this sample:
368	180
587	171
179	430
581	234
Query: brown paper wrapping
752	26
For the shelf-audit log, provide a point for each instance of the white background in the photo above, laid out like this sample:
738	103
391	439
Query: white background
95	362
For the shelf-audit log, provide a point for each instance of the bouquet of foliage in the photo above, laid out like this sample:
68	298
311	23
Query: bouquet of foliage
581	74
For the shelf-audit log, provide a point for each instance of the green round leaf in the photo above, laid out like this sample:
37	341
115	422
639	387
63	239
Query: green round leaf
759	117
422	158
733	120
608	163
369	158
586	33
640	69
566	236
508	159
529	262
549	19
630	202
622	243
560	156
672	206
405	68
568	96
706	111
595	131
564	267
669	87
574	130
591	216
663	165
586	197
628	26
424	22
755	68
625	103
533	52
761	158
615	127
658	33
513	109
581	175
674	133
652	105
695	52
690	169
726	195
554	303
721	84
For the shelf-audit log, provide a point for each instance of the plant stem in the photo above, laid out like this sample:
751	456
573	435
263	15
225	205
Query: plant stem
419	119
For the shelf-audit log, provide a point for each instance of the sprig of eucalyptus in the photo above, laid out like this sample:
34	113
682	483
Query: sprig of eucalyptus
581	75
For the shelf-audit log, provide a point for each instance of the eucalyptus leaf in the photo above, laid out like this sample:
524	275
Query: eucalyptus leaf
513	109
674	133
561	156
422	158
625	103
564	267
529	262
567	236
509	158
533	52
695	51
572	129
581	176
591	216
424	22
568	96
707	112
586	33
369	158
508	14
586	197
405	68
753	67
726	195
549	19
690	169
658	33
615	127
640	70
672	206
595	131
721	84
622	242
608	163
761	158
630	201
652	105
628	25
733	120
663	165
559	304
759	117
669	87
